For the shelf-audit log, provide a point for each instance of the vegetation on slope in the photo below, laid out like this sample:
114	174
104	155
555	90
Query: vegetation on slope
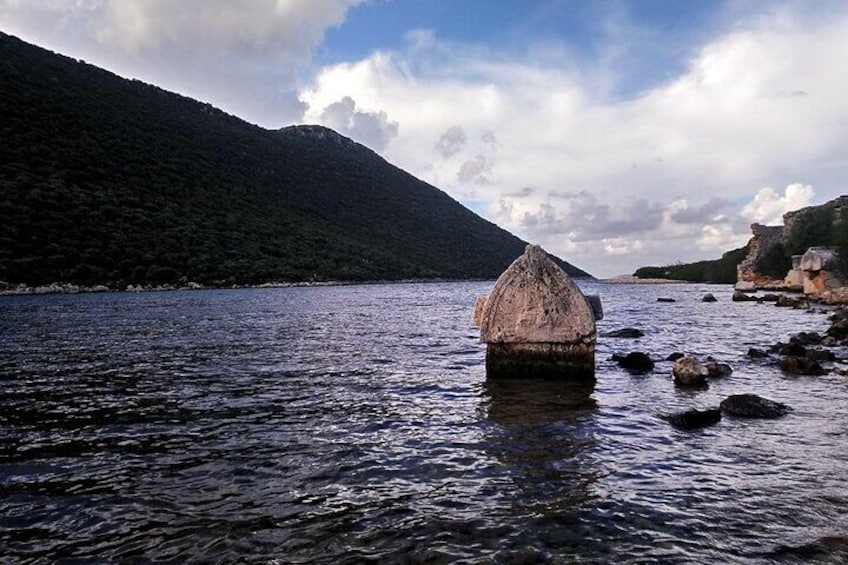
106	180
715	271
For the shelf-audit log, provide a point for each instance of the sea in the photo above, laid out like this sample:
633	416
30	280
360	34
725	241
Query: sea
355	424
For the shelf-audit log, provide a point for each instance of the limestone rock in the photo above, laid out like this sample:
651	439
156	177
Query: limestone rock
753	406
537	322
689	372
479	304
745	286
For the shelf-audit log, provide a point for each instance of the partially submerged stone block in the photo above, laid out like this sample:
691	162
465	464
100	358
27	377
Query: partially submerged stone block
536	322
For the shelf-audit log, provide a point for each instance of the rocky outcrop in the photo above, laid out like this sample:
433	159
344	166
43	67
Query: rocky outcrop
753	406
537	322
709	297
764	239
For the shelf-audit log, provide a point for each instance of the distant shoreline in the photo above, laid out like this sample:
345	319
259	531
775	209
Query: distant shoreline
630	279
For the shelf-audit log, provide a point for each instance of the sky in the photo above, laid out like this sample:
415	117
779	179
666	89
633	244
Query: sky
614	133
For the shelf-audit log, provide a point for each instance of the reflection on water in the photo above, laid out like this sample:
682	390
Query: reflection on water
356	424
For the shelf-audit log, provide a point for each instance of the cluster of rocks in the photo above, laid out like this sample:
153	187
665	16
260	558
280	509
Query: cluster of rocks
736	405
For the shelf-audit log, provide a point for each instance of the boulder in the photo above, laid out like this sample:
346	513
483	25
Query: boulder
630	333
801	366
536	322
769	298
755	353
694	419
708	297
793	348
808	338
753	406
689	372
715	369
635	362
742	297
797	302
822	355
745	286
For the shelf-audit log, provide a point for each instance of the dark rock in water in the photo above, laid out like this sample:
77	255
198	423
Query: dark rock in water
801	366
753	406
675	356
625	332
769	298
838	328
635	362
742	297
694	419
709	298
793	348
821	355
666	300
755	353
830	341
797	302
689	372
808	338
716	369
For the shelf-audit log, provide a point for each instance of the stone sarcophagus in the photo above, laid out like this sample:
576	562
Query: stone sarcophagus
537	323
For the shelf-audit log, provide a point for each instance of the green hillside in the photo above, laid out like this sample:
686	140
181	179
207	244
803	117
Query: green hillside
107	180
711	271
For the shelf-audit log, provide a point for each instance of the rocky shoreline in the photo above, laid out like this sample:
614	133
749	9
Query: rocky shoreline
805	353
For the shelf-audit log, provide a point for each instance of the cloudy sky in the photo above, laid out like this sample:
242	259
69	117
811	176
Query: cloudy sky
614	133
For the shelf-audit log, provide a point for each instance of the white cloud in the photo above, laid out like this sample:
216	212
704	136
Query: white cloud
670	167
373	129
768	207
244	56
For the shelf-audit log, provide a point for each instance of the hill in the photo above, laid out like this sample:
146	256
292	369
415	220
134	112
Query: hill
712	271
108	180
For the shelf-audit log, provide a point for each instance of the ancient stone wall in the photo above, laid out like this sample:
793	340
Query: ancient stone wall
765	237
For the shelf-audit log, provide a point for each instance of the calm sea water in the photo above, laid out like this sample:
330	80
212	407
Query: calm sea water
351	424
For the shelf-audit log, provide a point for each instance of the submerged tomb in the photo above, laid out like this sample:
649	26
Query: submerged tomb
537	323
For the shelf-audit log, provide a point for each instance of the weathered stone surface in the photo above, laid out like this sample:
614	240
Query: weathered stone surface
753	406
694	419
635	362
541	360
596	306
764	239
708	297
534	301
630	333
689	372
537	322
745	286
479	304
797	302
739	296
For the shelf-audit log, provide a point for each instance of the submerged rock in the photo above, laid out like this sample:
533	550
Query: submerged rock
694	419
537	322
635	362
753	406
666	300
625	333
755	353
742	297
716	369
801	366
708	297
675	356
689	372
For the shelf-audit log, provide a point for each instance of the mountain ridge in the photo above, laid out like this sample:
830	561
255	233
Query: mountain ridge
106	180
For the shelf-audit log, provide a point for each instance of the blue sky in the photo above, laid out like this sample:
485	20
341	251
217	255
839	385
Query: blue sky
615	134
